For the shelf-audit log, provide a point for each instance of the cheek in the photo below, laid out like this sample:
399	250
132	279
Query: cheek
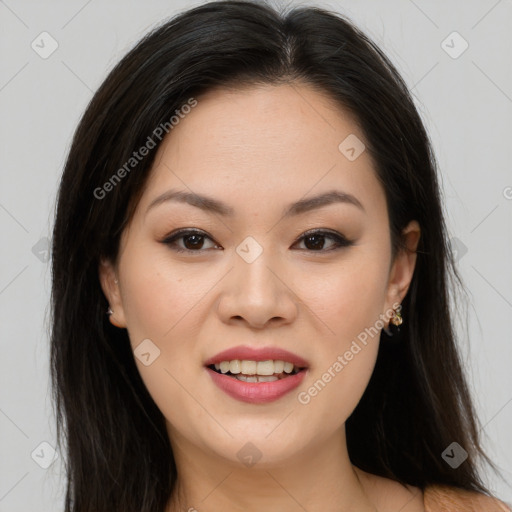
350	303
161	304
158	296
348	297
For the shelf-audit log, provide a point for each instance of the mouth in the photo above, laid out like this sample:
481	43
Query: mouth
256	371
256	375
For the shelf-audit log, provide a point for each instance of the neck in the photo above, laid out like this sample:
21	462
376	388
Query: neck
319	478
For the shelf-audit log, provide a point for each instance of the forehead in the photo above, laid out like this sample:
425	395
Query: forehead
263	144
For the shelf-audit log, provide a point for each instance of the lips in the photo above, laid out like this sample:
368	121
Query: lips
256	375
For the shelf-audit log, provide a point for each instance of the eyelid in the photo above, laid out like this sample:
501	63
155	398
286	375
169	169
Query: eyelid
320	231
341	240
181	233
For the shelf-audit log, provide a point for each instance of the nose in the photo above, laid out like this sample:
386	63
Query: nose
257	293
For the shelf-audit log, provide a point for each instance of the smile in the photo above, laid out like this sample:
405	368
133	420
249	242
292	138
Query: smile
256	371
256	374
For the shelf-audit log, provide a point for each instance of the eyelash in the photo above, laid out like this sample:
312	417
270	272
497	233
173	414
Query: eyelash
341	241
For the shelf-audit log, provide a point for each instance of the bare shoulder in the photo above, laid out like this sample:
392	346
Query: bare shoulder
452	499
390	495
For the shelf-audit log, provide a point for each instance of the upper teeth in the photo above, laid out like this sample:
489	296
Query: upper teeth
269	367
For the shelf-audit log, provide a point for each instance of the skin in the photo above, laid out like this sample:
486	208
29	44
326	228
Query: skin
259	149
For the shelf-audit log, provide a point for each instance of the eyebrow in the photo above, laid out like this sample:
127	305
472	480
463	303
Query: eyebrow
208	204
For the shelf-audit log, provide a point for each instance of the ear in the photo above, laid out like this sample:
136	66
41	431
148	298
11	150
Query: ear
110	286
402	268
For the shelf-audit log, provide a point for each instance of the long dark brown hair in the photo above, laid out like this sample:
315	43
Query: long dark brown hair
117	451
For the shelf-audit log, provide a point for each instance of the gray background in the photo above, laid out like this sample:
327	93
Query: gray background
466	103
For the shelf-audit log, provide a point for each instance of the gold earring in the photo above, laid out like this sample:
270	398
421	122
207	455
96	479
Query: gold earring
397	319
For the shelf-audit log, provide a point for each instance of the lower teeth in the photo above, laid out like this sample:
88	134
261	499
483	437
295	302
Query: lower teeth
255	378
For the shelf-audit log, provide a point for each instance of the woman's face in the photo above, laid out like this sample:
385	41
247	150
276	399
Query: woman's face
255	276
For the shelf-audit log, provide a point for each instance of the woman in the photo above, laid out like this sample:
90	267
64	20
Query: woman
250	280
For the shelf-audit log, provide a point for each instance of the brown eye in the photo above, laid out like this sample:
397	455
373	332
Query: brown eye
315	241
193	241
